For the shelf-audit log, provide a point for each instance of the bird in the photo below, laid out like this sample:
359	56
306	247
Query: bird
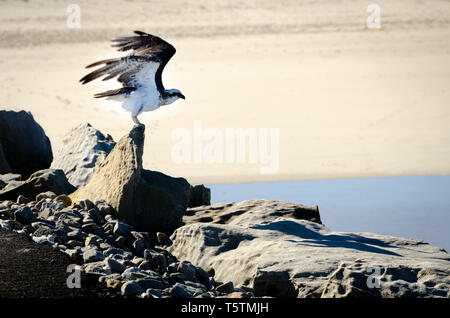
139	72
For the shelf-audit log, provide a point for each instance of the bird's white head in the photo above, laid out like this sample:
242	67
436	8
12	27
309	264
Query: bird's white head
172	95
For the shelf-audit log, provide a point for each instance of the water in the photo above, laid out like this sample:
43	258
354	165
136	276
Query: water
410	207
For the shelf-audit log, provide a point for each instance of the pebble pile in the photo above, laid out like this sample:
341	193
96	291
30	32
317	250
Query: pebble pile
109	250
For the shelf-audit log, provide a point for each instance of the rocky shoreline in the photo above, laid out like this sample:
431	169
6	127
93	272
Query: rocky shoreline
141	233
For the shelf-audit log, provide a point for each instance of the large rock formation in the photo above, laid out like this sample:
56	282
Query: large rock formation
148	200
84	149
52	180
24	147
287	257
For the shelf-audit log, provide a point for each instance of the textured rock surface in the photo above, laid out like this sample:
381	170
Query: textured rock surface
40	181
84	149
285	257
23	144
250	212
148	200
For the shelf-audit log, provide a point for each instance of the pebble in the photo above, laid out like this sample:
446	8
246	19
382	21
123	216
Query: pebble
22	199
225	288
131	288
92	254
122	229
114	265
24	215
45	195
180	291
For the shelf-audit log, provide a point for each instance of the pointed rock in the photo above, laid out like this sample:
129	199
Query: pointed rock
148	200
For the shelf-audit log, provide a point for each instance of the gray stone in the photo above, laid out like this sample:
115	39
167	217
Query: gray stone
114	265
91	228
140	245
38	182
187	271
157	260
22	199
152	293
45	195
199	195
146	283
83	149
24	215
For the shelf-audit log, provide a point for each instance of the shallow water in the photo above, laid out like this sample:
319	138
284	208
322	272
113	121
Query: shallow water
412	207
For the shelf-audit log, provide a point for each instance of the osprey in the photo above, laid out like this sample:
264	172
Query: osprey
139	73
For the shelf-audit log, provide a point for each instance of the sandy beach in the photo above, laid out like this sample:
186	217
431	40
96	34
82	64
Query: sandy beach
346	100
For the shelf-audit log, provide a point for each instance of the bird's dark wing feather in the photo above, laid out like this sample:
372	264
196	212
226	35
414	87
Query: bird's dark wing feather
146	62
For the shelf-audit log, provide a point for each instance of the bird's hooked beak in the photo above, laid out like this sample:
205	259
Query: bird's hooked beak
182	96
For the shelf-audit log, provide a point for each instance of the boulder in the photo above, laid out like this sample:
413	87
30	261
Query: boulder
251	212
148	200
40	181
83	150
24	147
287	257
199	195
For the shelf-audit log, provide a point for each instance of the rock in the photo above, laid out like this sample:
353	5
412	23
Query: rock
114	265
22	199
38	182
199	195
65	199
351	280
122	229
45	195
131	288
91	240
180	291
113	283
9	179
239	294
225	288
140	245
157	261
251	212
274	283
162	238
91	228
24	145
289	257
187	271
84	148
151	293
24	215
133	273
121	241
146	283
92	254
59	236
148	200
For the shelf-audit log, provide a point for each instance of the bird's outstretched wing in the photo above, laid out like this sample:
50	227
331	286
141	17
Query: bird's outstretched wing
142	67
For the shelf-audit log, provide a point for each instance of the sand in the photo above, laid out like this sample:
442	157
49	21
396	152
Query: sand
345	100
